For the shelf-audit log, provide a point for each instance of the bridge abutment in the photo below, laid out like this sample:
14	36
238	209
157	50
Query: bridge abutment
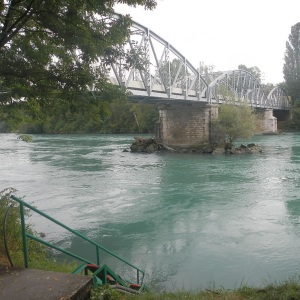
186	125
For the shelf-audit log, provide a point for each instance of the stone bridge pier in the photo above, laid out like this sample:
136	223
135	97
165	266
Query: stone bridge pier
188	125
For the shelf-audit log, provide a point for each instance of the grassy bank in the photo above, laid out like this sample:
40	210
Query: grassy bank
11	250
285	291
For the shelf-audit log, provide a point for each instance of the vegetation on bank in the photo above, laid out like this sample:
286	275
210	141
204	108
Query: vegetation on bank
11	249
289	290
58	117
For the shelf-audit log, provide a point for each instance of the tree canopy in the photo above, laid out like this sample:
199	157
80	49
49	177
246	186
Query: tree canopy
57	49
291	68
255	71
173	71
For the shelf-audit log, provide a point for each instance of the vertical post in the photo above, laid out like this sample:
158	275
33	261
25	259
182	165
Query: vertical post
25	248
105	275
138	276
147	67
98	256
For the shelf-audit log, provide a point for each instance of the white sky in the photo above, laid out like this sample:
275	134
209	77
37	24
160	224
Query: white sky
224	33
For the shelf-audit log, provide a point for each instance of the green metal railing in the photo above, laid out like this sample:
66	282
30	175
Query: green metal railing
26	235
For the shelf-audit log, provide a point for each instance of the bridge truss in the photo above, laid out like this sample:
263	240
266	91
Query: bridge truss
163	74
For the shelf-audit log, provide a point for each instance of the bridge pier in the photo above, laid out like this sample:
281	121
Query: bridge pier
186	125
266	122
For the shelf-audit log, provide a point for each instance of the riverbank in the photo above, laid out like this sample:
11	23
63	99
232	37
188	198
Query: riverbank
288	290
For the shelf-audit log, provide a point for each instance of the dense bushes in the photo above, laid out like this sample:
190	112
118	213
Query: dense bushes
85	116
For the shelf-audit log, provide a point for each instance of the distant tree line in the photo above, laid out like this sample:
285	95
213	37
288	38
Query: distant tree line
80	116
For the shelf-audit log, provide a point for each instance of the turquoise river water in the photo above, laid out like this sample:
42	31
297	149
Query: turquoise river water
190	221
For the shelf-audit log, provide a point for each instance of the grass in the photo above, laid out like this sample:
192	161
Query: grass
39	255
289	290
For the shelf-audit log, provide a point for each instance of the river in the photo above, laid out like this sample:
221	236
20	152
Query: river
190	221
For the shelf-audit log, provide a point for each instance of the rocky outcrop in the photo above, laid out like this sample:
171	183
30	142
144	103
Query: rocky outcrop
150	145
242	149
145	145
245	149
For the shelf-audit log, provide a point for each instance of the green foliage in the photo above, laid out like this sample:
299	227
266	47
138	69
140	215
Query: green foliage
236	121
86	115
39	256
57	49
286	291
130	118
13	231
291	69
177	73
25	137
105	292
13	222
294	123
236	118
255	71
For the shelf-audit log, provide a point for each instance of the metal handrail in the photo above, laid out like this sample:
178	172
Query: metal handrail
98	247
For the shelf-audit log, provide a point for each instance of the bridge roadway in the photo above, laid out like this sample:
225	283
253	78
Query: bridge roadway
189	97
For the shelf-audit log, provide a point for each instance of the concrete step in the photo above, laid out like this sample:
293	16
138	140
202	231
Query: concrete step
32	284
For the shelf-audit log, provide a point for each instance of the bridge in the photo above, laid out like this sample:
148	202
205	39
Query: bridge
189	97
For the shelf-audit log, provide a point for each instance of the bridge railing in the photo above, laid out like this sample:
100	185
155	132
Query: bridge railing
26	234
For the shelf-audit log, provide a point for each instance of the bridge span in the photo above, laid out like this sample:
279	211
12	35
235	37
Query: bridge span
189	97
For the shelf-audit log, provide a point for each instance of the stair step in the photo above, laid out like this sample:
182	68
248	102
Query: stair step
21	283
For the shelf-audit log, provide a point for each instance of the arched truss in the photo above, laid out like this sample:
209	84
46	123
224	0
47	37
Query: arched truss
165	74
278	98
237	85
240	85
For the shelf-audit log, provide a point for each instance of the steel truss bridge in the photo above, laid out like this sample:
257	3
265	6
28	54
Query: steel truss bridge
163	74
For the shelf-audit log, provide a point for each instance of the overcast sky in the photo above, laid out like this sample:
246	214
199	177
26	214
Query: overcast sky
224	33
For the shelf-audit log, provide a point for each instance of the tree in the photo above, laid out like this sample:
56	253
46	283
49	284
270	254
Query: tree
130	118
235	120
173	71
255	71
291	68
57	49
